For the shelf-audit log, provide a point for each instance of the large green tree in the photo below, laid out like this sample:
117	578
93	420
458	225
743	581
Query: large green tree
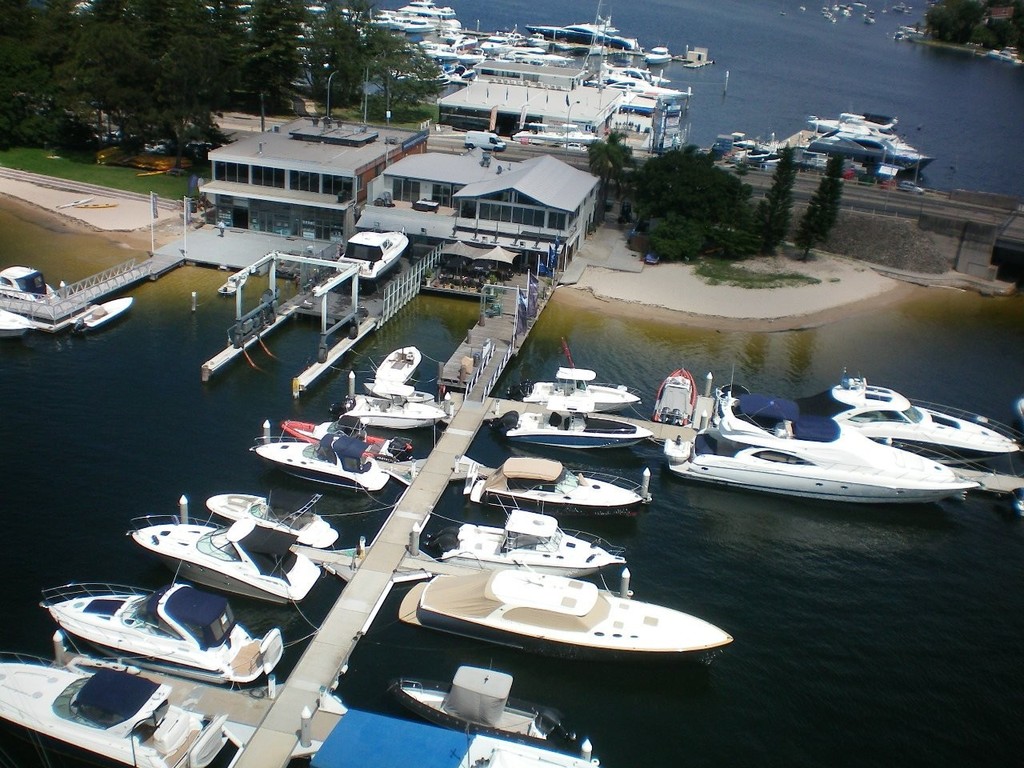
610	160
273	58
823	208
775	209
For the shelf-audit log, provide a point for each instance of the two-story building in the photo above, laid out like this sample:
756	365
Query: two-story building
306	178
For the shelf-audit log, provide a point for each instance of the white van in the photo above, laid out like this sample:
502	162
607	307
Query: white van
489	141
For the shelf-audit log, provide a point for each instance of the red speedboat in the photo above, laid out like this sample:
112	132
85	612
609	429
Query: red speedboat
382	449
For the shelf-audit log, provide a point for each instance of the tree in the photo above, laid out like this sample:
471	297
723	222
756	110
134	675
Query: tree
676	238
274	59
610	160
823	208
774	211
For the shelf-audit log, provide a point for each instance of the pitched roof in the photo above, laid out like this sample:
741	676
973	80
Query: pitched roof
545	179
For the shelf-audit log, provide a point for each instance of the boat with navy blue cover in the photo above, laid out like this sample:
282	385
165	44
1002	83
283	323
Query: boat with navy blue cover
336	459
762	443
568	423
177	629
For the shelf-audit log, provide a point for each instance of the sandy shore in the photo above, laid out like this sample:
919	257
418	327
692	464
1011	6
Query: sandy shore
613	283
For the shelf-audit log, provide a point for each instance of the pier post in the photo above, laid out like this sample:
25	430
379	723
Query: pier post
305	723
60	652
645	485
586	750
624	590
707	384
194	302
183	508
266	431
271	686
351	383
414	539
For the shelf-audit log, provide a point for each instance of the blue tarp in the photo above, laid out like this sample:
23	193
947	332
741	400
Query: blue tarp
364	739
115	693
344	446
820	429
768	407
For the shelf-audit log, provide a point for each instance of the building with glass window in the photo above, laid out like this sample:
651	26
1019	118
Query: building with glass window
528	207
306	178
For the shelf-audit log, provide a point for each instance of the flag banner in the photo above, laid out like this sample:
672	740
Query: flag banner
521	315
531	298
152	203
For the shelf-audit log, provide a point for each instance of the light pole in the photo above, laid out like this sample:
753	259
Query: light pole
329	78
568	125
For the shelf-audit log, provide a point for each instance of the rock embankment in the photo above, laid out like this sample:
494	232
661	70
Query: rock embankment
888	242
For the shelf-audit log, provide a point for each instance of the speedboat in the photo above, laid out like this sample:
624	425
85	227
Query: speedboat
542	133
546	486
376	253
568	424
399	366
575	382
337	460
760	443
25	283
382	449
557	616
13	326
105	715
232	284
310	529
393	406
477	701
529	541
676	400
887	416
866	138
658	55
99	315
244	559
177	629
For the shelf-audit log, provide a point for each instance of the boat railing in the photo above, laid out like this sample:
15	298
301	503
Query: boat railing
615	480
74	590
596	541
1005	430
146	521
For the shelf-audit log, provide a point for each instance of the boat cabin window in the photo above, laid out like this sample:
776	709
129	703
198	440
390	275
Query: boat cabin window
365	252
780	458
874	417
215	545
567	483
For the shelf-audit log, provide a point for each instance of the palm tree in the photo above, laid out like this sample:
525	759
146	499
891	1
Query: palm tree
610	160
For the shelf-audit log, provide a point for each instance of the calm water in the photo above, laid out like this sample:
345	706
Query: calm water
863	636
963	110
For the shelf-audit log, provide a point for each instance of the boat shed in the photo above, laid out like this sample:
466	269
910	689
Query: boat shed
505	105
485	201
305	178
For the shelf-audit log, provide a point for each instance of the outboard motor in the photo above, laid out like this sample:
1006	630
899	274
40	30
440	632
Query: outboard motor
549	722
401	450
520	391
344	406
506	422
445	540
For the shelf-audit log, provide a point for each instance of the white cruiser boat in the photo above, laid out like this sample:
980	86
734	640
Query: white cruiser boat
309	528
25	283
676	400
869	139
103	715
545	486
528	541
230	286
760	443
393	406
887	416
657	55
557	616
576	382
477	701
177	629
542	133
99	315
13	326
567	423
399	366
244	559
376	253
336	459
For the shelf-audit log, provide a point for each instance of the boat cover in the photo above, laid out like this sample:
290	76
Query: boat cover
364	738
528	468
575	374
112	693
343	446
478	695
522	523
819	429
208	613
767	407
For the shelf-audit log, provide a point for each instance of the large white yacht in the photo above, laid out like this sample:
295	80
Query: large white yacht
760	443
376	253
577	382
887	416
867	138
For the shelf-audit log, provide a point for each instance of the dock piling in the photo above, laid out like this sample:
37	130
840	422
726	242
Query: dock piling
183	508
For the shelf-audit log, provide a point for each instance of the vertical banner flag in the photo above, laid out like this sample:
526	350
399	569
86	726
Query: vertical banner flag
152	203
531	295
521	315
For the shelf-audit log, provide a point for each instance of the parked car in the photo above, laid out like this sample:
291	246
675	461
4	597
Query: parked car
909	186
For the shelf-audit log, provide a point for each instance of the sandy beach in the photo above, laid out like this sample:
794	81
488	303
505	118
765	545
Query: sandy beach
612	281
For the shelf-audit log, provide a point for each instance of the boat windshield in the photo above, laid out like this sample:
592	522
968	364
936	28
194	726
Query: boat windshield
914	415
568	482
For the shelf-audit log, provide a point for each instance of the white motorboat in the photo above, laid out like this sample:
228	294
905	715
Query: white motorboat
676	400
866	138
557	616
310	529
13	326
336	459
542	133
232	284
25	283
99	315
478	701
567	423
104	715
887	416
177	629
393	406
576	383
376	253
546	486
388	449
759	443
398	367
244	559
529	541
657	55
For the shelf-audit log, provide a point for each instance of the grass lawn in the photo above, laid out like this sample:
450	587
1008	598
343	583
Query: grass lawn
744	274
82	166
